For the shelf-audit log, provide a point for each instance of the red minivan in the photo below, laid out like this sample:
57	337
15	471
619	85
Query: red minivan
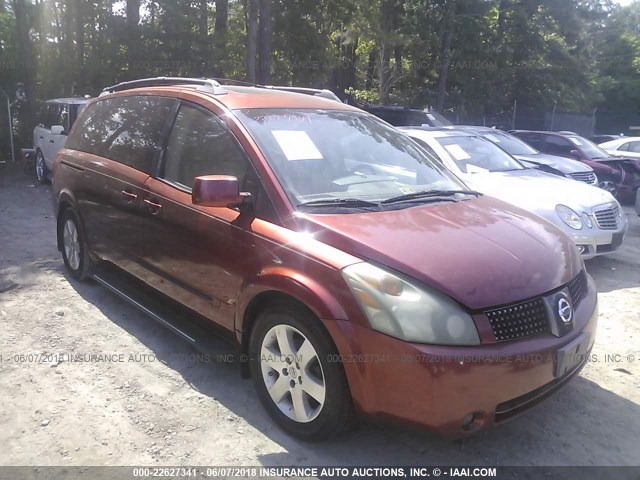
355	274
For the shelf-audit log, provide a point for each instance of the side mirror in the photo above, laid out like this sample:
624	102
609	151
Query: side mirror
57	130
574	153
217	191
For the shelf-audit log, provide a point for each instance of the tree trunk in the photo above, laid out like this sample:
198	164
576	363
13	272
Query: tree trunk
80	46
264	42
371	69
445	57
203	34
68	56
252	39
220	35
26	65
133	37
387	10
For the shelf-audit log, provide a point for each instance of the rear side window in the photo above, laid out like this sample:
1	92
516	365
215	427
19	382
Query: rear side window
128	130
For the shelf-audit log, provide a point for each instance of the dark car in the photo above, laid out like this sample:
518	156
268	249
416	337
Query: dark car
232	209
532	158
598	139
618	175
400	116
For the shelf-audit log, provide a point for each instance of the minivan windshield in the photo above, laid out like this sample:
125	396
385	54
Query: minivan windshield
509	143
343	158
477	155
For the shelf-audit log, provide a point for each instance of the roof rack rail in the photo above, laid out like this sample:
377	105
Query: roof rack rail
318	92
209	85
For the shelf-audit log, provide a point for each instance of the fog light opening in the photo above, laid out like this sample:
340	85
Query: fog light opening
582	249
473	421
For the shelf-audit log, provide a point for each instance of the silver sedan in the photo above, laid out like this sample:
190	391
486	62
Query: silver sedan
589	215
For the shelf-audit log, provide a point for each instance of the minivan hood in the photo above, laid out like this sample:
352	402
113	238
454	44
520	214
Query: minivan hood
565	165
538	192
481	252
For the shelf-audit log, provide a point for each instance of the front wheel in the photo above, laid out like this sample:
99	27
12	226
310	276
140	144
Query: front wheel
74	248
609	185
42	172
297	376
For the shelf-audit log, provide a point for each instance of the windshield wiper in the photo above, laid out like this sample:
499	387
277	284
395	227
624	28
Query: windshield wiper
429	194
339	202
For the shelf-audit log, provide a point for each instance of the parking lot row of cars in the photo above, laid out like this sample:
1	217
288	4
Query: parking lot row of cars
349	261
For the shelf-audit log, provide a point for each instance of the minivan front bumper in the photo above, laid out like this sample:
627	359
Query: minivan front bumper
457	391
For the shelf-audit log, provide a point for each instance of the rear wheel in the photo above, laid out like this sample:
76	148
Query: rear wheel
296	374
74	248
42	172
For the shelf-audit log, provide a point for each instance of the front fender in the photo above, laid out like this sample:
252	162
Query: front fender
295	284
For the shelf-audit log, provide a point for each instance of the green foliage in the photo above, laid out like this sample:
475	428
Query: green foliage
571	54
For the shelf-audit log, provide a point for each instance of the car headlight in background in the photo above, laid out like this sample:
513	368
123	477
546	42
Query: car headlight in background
587	220
397	307
569	217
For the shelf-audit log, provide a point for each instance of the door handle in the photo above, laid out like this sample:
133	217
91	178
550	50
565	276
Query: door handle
51	141
152	206
41	137
130	197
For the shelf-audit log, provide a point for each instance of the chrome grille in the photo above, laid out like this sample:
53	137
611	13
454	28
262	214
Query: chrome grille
587	177
577	288
608	218
519	321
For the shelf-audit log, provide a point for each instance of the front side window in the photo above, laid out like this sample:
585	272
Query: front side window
477	155
200	144
128	130
336	155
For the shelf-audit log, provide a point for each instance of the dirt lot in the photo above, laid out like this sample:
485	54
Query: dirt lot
159	407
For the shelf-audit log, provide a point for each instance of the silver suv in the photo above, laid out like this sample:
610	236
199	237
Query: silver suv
50	134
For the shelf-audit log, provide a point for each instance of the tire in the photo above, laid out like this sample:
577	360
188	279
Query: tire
609	185
74	248
325	412
41	170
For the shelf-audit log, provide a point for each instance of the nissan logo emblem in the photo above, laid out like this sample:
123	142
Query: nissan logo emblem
565	311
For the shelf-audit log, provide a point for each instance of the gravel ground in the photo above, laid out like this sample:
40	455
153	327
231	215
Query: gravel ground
159	406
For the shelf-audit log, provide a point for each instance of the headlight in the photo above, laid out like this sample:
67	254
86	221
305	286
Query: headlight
397	307
587	220
569	217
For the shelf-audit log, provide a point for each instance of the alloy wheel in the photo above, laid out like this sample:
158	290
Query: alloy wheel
609	186
292	373
40	167
71	244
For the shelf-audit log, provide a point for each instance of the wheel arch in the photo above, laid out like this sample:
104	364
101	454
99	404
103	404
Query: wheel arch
299	291
64	202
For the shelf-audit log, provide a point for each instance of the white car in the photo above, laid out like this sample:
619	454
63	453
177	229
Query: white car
50	134
589	215
623	147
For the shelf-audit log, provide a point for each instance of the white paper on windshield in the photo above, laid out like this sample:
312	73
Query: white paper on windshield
296	145
492	137
430	116
575	141
457	152
471	168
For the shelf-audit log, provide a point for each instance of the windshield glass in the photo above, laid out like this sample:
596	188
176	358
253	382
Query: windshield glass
332	155
477	155
589	148
509	143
